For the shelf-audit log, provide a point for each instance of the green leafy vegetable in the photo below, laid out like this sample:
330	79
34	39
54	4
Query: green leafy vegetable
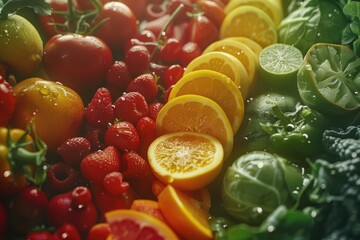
12	6
312	22
257	183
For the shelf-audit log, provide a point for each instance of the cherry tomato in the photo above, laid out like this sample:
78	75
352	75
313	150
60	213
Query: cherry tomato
79	62
56	110
119	27
86	4
212	11
202	31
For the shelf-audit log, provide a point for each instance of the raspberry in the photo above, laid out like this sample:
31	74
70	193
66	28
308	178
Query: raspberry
114	184
73	150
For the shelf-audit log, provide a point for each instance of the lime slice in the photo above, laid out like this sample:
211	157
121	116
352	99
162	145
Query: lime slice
279	64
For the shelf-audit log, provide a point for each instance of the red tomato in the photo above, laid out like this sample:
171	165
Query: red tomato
79	62
202	31
120	26
137	6
86	4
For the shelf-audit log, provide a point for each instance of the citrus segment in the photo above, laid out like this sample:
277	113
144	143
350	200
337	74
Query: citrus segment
149	207
126	224
218	88
223	63
270	7
185	214
196	113
279	64
251	22
240	51
250	43
186	160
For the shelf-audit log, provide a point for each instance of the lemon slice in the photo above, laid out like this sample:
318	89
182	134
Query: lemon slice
218	88
271	7
223	63
196	113
186	160
185	213
240	51
250	43
251	22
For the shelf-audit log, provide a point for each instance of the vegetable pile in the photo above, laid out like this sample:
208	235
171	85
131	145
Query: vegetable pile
153	119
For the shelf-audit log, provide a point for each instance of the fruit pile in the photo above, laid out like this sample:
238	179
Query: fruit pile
119	118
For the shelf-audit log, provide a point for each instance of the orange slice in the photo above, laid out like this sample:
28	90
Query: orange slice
126	224
196	113
251	22
223	63
185	214
240	51
186	160
217	87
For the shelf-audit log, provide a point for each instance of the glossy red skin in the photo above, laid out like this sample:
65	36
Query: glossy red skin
202	31
62	209
120	27
79	62
7	102
86	4
137	6
213	11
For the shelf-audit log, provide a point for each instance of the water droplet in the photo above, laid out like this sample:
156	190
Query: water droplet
44	90
271	228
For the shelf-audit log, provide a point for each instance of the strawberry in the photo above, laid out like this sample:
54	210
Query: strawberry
154	109
131	107
146	128
134	167
118	75
99	112
40	235
97	165
67	232
73	150
145	84
123	136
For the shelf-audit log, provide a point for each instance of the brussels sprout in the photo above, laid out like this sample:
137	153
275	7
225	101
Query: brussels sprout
257	183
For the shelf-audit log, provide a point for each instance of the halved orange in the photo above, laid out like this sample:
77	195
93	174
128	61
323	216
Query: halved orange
224	63
185	214
251	22
195	113
217	87
127	224
240	51
186	160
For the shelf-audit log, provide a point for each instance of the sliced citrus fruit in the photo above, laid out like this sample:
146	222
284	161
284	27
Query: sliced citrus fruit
239	50
279	64
196	113
186	160
185	214
217	87
251	22
148	206
250	43
127	224
223	63
271	7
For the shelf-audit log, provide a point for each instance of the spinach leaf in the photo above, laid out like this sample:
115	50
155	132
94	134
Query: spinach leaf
312	22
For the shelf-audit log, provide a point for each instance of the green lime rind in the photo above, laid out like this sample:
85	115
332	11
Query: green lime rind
279	64
329	79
